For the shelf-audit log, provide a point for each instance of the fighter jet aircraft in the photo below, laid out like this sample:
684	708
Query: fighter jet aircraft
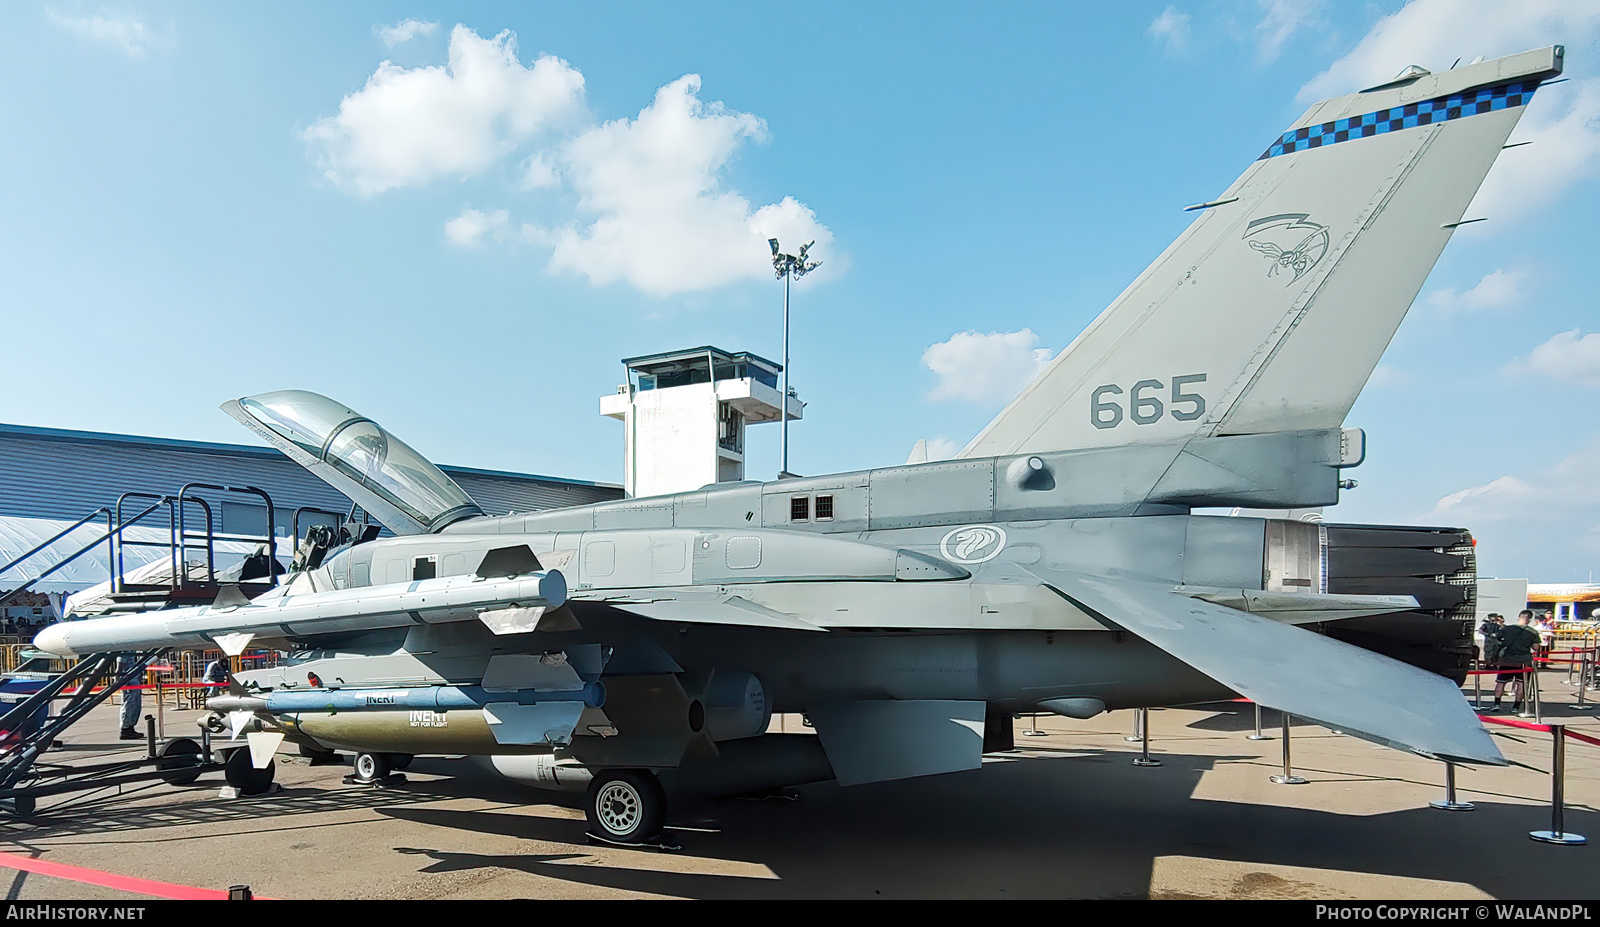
1056	565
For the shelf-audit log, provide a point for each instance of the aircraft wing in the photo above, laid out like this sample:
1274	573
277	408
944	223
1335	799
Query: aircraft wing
694	607
1291	669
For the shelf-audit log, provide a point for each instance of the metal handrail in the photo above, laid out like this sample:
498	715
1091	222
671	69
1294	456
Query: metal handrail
120	542
75	526
271	538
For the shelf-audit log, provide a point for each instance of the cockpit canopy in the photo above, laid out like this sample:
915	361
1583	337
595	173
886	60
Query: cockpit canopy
356	456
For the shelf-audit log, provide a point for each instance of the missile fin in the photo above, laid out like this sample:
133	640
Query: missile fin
229	596
235	643
512	620
508	561
263	744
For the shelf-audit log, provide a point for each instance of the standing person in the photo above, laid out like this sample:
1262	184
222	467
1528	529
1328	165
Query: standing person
1487	632
132	700
1517	643
1547	634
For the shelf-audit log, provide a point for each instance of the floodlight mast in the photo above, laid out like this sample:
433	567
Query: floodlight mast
788	267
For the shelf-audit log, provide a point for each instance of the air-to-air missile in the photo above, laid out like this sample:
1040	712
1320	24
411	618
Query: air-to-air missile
286	612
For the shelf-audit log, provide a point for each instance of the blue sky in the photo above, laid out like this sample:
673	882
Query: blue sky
202	201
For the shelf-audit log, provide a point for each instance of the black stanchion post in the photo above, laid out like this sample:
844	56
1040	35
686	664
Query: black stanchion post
1143	759
1288	777
1533	692
1585	664
1558	761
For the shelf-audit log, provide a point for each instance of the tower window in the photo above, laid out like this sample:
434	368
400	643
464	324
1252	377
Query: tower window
799	508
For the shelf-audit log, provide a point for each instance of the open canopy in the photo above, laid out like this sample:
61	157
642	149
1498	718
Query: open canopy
356	456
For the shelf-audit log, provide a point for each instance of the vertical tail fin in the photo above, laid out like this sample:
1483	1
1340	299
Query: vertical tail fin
1270	312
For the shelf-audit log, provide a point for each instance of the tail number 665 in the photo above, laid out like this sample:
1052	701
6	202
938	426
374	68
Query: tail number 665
1144	404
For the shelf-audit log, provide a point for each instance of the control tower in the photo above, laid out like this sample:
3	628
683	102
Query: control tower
685	414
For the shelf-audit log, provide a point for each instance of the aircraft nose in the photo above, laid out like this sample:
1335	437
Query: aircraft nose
53	640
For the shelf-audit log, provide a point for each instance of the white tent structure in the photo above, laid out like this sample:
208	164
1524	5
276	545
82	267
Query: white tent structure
19	535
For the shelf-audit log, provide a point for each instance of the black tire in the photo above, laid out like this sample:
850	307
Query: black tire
240	773
399	761
180	761
626	805
370	767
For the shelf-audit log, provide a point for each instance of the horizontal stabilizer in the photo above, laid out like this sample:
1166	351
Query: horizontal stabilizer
1300	607
875	741
1291	669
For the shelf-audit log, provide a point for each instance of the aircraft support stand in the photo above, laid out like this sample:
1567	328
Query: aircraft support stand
1033	727
1557	833
1288	777
1258	735
1143	759
1138	727
1449	802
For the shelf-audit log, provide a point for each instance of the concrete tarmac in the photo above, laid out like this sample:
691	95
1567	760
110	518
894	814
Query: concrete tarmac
1065	816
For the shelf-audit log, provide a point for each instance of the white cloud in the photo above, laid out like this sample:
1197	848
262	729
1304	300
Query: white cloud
661	221
1568	356
410	126
1280	20
985	368
124	33
1499	289
1171	28
1434	33
1496	498
473	226
1533	520
1563	126
403	31
538	173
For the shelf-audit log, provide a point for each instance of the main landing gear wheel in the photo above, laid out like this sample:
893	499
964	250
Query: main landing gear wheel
370	767
242	774
399	761
626	806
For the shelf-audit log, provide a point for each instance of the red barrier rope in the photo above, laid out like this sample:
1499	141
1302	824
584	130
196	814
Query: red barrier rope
1511	722
1528	725
109	880
164	686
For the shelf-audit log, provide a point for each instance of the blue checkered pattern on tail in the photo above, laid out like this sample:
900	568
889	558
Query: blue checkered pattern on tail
1407	116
